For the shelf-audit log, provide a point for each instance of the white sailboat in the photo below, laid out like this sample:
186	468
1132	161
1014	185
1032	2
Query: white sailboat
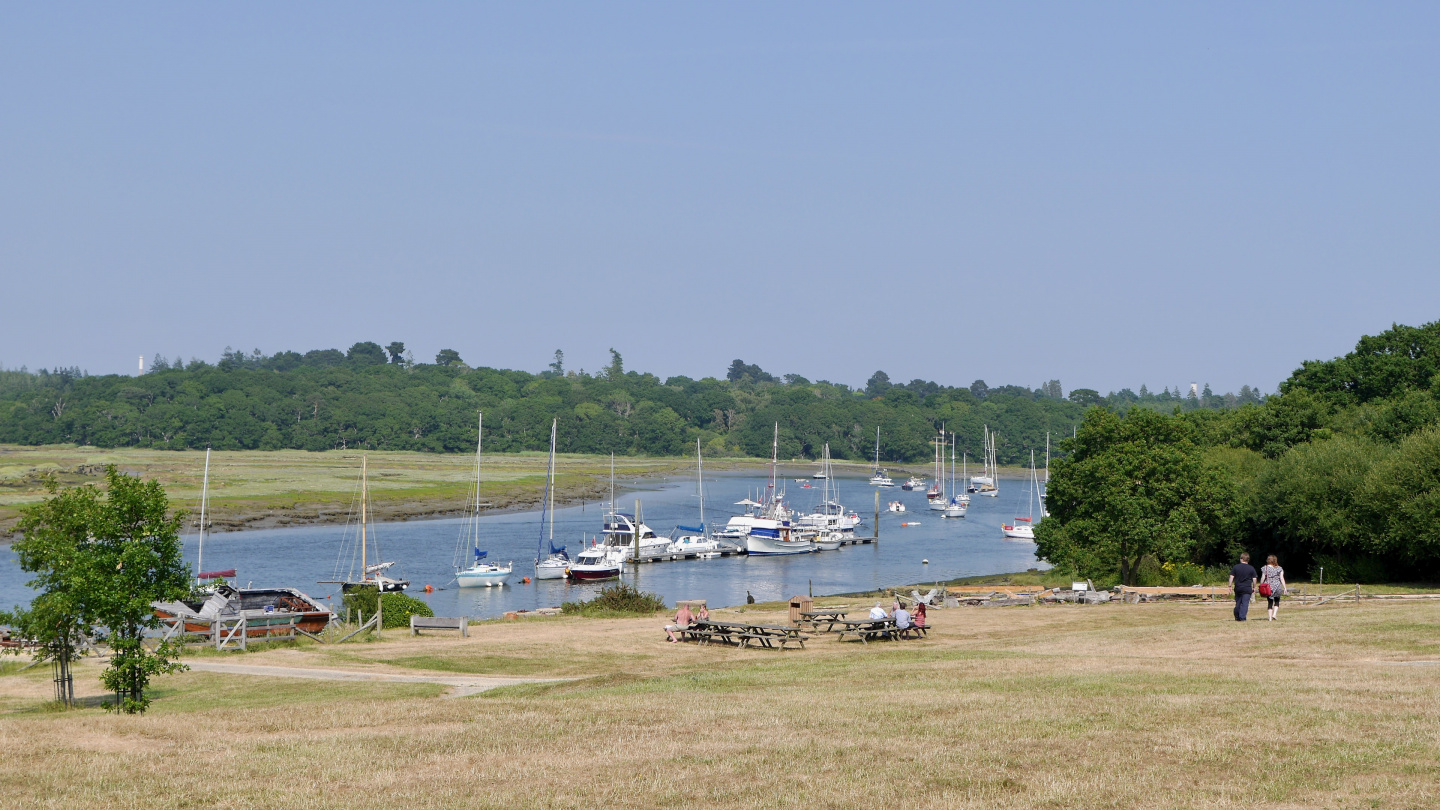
831	516
936	495
959	503
597	562
989	483
881	478
550	564
479	573
1023	528
701	542
771	534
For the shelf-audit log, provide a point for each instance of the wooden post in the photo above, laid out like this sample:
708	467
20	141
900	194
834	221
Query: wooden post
877	514
637	534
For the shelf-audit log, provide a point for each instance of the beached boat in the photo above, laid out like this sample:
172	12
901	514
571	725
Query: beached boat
265	610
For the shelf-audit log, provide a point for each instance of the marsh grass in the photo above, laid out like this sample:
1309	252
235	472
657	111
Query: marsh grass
1151	705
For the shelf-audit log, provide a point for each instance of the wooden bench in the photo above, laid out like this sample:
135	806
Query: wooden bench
461	623
866	629
815	618
744	635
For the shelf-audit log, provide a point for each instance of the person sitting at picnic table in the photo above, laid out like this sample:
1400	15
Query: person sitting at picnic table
877	613
704	614
902	618
920	615
683	618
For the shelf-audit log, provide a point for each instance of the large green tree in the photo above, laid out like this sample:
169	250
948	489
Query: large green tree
101	558
1130	487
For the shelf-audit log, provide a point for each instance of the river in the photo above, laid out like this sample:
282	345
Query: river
425	550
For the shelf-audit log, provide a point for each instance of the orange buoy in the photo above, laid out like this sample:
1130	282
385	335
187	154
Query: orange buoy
525	580
429	588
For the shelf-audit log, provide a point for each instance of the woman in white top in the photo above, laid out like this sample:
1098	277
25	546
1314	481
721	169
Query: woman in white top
1274	576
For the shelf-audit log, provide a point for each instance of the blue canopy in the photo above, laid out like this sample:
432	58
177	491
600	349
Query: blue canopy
700	529
480	555
555	550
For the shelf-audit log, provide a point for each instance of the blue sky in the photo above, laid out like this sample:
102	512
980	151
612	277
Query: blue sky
1110	194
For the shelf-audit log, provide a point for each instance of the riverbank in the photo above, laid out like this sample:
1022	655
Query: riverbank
1154	705
269	489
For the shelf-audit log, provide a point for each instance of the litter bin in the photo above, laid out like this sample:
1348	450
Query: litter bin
798	605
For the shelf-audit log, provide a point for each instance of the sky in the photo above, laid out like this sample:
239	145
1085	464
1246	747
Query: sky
1107	194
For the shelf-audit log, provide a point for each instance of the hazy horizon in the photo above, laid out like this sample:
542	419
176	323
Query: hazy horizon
1107	194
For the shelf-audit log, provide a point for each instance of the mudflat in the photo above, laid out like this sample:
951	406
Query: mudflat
1150	705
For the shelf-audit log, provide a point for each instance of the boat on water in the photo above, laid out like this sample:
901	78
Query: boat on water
479	573
594	563
914	484
698	542
831	515
1023	528
959	503
936	496
937	489
896	506
881	478
550	560
371	575
829	542
988	484
770	533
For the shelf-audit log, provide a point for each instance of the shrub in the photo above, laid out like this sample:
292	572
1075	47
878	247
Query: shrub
1348	570
398	607
619	599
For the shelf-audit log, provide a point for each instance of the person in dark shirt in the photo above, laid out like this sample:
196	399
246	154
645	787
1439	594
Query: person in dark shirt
1242	579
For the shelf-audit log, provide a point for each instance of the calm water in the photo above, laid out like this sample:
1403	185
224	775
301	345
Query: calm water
425	550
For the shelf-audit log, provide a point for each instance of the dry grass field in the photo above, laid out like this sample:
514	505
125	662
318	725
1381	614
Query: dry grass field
1154	706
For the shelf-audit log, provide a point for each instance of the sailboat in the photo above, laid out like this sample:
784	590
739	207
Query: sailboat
371	576
831	516
959	502
701	543
881	478
551	564
988	484
771	534
936	495
1023	528
480	572
1044	509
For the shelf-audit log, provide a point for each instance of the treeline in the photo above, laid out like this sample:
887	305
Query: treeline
378	397
1340	470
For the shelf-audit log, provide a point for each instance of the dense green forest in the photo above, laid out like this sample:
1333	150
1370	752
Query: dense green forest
377	397
1341	469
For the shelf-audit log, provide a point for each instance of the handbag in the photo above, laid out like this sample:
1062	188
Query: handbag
1265	589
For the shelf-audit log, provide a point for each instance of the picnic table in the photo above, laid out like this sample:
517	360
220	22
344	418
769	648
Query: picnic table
773	637
868	629
815	618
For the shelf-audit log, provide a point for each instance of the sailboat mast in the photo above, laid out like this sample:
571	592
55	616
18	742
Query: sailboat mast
700	481
550	486
774	456
204	494
877	449
364	494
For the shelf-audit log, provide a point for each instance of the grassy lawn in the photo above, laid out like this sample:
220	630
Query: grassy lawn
1154	705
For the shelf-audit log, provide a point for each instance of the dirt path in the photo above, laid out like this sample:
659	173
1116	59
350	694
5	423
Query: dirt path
460	685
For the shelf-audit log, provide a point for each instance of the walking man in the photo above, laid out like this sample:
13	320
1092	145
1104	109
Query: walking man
1242	579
